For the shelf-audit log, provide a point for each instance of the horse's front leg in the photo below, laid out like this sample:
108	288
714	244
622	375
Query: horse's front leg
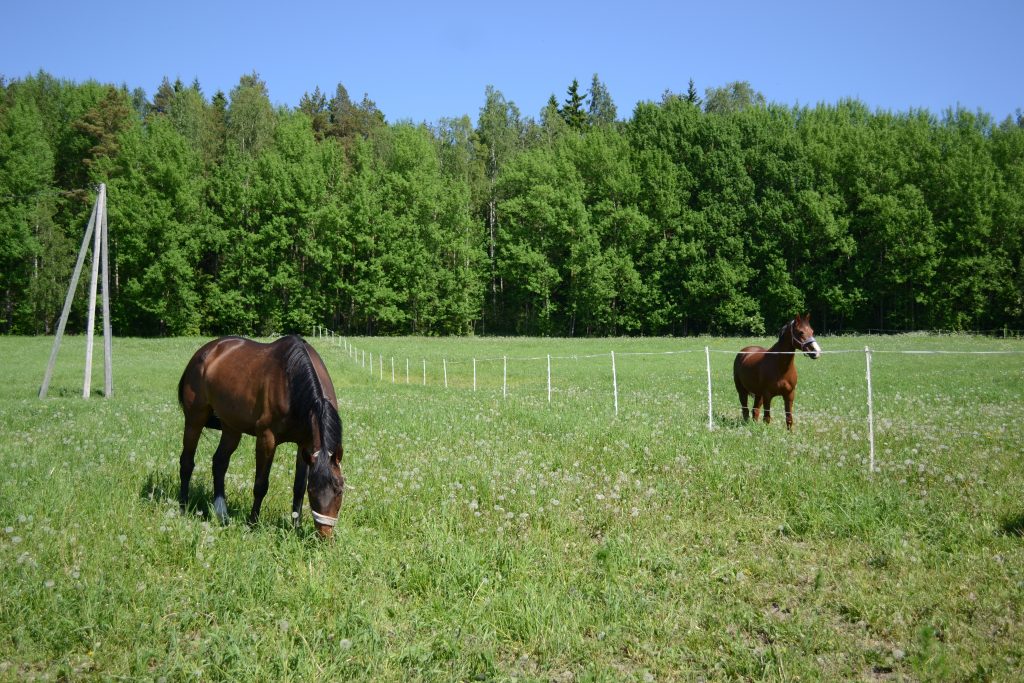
788	400
768	409
758	400
266	444
221	457
299	488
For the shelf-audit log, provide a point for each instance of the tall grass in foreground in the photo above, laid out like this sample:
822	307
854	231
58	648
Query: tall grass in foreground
488	537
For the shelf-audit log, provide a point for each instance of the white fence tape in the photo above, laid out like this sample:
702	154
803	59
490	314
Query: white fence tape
359	355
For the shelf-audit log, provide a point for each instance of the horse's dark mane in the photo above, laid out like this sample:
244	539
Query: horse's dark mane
306	396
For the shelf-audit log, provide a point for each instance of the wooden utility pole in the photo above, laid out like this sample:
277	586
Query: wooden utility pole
97	231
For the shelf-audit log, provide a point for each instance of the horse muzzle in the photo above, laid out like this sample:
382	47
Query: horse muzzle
324	524
811	349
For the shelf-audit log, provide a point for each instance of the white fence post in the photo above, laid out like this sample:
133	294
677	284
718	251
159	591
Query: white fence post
871	414
406	370
444	364
424	372
615	385
474	374
549	378
711	421
380	364
371	363
504	377
392	369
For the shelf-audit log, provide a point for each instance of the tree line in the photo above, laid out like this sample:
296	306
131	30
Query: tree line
721	214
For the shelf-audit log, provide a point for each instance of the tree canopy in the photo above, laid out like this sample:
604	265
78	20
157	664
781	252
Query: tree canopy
726	214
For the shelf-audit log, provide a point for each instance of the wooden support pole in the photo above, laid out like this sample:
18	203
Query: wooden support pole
67	302
108	361
90	326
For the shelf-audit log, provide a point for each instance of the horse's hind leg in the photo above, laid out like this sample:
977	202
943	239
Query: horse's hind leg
299	488
187	461
228	443
743	399
758	400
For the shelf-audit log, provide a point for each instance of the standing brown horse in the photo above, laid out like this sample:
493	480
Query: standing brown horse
767	373
278	392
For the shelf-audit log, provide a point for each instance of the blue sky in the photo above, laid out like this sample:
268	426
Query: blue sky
427	60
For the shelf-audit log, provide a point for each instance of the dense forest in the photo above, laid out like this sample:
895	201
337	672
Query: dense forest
723	213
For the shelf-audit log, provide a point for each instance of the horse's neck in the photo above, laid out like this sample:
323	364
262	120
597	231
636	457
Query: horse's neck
784	347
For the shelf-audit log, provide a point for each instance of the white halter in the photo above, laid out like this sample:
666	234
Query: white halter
323	519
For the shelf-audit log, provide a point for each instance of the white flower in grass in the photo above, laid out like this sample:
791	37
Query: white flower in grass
49	583
345	644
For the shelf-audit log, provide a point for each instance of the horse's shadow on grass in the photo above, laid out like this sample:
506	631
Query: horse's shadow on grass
1012	525
160	487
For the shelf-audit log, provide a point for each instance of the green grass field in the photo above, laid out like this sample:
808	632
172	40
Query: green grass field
508	538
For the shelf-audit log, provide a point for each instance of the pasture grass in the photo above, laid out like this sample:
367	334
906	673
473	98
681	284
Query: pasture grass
493	537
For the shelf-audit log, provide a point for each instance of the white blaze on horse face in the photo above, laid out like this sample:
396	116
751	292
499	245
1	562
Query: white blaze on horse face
815	350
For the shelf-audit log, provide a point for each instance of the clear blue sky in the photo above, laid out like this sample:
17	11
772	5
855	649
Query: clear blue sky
427	60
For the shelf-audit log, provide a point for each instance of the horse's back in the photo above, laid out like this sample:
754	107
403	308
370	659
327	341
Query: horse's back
231	378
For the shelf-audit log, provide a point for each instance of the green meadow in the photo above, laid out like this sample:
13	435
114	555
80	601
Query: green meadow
508	533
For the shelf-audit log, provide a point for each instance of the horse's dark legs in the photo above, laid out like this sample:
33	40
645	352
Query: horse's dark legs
221	457
266	445
767	409
788	400
743	403
187	462
758	400
299	488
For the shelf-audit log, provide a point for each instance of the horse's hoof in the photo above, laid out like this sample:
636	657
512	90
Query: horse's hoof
221	509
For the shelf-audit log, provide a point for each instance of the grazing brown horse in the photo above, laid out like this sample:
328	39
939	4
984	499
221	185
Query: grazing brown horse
278	392
767	373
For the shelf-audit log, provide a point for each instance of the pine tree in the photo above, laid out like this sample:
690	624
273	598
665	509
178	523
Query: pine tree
602	110
572	110
691	95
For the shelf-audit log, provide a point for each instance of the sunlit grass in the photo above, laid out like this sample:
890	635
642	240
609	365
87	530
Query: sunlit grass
488	536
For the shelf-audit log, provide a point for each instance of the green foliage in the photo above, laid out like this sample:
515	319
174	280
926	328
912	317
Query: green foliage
728	215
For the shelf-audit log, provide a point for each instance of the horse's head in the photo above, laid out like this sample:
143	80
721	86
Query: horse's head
325	484
325	487
802	336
